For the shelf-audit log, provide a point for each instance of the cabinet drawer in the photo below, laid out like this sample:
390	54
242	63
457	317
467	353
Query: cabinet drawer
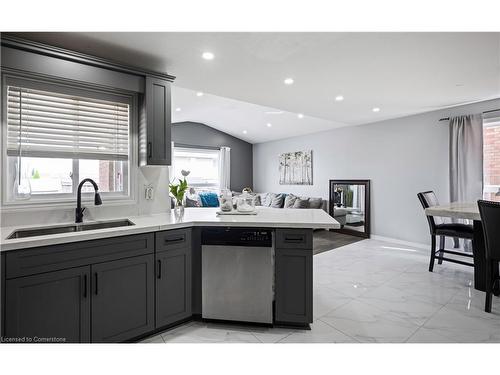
173	239
75	254
294	238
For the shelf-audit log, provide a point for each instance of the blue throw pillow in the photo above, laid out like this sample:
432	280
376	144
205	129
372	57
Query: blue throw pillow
209	199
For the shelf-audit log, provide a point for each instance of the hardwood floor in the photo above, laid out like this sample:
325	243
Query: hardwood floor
324	240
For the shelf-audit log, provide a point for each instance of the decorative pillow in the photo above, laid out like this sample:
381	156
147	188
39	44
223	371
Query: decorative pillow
289	201
315	202
256	200
192	203
269	199
277	200
209	199
301	203
264	201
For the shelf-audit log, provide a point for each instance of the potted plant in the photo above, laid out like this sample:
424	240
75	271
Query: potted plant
178	191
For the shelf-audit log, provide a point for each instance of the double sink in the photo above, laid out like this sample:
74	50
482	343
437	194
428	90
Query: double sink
69	228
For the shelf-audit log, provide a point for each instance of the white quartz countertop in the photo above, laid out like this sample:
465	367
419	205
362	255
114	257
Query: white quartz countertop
456	210
265	218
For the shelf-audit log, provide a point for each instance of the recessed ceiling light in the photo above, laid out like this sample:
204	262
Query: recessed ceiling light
300	115
288	81
269	124
199	93
376	109
208	55
177	109
245	132
339	98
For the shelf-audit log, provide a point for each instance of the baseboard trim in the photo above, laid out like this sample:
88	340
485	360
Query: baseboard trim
400	242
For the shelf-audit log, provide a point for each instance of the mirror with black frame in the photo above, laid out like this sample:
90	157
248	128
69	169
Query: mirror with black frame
350	206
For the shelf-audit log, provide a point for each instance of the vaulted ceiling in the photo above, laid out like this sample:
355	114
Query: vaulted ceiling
399	73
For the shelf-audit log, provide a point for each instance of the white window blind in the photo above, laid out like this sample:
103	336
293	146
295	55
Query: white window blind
54	125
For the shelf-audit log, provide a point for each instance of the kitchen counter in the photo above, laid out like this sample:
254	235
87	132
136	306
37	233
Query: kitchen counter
193	217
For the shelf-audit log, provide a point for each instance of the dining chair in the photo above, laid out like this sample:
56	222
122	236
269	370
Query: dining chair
439	228
490	218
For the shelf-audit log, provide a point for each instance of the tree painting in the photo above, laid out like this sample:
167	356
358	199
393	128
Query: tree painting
295	168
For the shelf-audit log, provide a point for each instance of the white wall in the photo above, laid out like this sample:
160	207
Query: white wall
157	176
401	157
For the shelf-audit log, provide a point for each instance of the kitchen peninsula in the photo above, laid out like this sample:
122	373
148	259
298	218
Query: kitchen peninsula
124	283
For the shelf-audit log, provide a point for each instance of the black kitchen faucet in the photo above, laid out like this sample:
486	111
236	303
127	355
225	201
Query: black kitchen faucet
97	199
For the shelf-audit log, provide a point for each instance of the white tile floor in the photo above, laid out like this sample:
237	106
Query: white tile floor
373	291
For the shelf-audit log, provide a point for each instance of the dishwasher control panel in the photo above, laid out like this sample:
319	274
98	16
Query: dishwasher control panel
228	236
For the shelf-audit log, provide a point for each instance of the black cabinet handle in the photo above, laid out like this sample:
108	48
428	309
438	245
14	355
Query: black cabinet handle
150	150
85	286
294	239
177	239
159	268
96	283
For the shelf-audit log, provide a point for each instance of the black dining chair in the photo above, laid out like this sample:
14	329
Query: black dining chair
490	218
439	228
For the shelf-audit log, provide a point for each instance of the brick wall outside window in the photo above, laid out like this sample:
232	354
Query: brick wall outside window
491	139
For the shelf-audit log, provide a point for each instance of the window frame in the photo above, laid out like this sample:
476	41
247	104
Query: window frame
62	200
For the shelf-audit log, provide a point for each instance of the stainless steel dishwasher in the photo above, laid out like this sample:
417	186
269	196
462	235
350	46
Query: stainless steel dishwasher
237	274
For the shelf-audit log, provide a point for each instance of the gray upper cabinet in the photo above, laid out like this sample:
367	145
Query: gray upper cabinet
155	123
28	57
49	305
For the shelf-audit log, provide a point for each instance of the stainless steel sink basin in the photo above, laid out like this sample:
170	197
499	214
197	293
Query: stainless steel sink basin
44	231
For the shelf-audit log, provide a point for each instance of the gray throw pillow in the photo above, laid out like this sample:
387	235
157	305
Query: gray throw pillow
192	203
315	202
277	200
264	201
289	201
301	203
269	199
256	200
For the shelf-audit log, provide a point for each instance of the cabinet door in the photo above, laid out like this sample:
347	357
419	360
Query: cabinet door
122	299
50	305
158	121
294	284
173	286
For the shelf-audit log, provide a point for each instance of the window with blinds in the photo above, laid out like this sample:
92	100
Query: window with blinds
55	134
55	125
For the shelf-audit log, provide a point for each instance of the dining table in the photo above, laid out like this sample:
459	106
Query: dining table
469	211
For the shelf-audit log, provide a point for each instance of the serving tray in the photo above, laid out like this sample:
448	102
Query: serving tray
234	212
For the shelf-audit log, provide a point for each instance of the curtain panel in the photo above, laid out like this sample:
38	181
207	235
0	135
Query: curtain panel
466	158
466	162
225	168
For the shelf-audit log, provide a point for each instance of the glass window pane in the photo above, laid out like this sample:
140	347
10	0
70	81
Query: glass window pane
108	174
202	164
47	175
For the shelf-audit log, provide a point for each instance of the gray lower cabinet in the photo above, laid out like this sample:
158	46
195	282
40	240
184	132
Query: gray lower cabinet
50	305
173	286
294	286
122	299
